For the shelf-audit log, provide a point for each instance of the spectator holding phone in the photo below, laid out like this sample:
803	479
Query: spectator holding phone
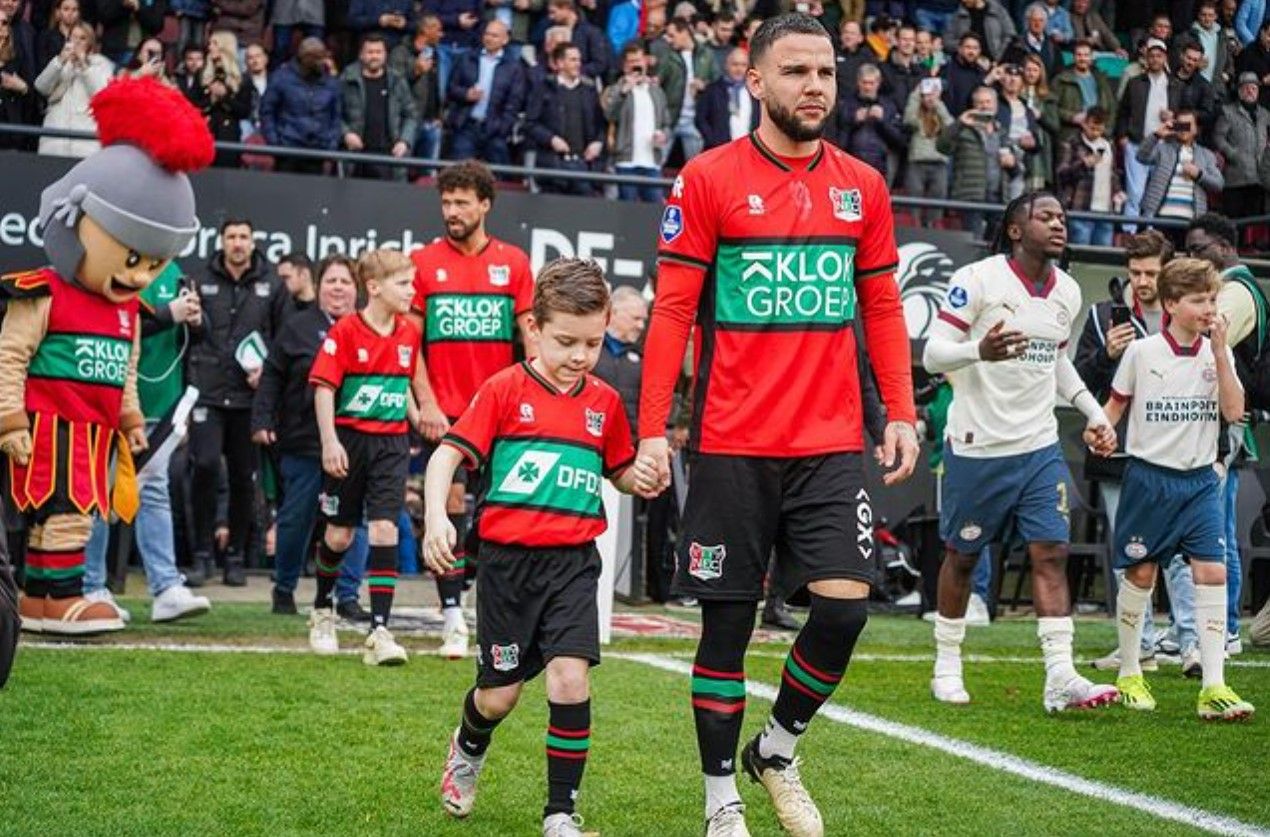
1089	180
69	81
391	20
982	156
1183	172
636	109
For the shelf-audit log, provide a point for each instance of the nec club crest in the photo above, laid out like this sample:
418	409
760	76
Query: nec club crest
500	275
403	356
505	657
846	203
706	562
594	423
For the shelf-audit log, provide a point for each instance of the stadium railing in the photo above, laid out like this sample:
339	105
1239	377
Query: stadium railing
603	178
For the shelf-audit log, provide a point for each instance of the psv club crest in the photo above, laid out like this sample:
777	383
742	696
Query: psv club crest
706	562
846	204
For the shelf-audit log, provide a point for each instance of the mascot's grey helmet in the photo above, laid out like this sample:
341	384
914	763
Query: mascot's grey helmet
142	205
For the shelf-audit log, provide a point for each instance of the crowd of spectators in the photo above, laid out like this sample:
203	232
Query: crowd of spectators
965	99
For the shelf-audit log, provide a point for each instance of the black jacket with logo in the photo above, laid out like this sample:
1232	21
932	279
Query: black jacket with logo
231	311
284	399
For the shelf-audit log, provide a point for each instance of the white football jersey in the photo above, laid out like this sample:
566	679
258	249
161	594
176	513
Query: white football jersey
1174	412
1006	407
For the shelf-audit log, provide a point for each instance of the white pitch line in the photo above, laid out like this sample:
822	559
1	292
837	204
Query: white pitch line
995	759
930	658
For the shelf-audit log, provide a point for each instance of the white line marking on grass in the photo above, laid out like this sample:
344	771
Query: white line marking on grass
995	759
196	648
969	658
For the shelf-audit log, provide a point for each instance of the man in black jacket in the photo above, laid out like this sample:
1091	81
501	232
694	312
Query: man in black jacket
1197	93
597	62
725	109
243	303
963	74
282	417
484	106
566	123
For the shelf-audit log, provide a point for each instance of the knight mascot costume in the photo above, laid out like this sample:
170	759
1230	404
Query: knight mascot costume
70	338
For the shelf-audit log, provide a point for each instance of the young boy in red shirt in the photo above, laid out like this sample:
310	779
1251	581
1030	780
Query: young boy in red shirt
544	434
365	379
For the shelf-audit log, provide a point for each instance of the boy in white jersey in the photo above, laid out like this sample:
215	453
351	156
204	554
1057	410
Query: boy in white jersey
1000	338
1177	386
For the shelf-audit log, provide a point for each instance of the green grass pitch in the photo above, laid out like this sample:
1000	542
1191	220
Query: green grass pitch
117	741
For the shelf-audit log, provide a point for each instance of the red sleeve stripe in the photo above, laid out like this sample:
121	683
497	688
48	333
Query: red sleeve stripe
1120	396
463	446
317	381
870	272
954	321
682	259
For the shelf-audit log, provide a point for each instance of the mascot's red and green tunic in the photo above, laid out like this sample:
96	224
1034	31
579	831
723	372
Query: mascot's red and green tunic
70	338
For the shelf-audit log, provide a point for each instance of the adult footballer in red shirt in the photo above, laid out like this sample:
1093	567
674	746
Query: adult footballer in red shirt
771	246
472	293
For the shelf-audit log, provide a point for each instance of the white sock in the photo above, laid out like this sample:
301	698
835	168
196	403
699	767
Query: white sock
1056	634
1210	620
453	617
1131	602
720	791
776	741
949	634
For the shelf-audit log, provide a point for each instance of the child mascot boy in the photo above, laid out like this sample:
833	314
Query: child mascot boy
70	338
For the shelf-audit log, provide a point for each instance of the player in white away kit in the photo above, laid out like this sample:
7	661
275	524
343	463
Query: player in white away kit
1001	338
1177	386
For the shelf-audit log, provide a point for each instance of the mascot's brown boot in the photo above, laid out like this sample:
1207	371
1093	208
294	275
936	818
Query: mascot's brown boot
77	616
31	609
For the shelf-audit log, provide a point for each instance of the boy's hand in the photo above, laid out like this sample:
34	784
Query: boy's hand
657	450
432	422
1217	333
439	538
335	460
1101	439
645	480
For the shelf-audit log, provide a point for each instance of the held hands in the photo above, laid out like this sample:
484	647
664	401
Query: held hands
264	437
1100	439
136	438
999	344
16	444
656	450
1191	170
644	479
439	538
335	459
432	422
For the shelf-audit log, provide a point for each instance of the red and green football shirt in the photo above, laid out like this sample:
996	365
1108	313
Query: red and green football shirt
544	453
370	373
772	259
469	306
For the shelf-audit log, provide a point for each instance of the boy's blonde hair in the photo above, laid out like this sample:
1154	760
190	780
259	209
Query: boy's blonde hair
378	265
1184	276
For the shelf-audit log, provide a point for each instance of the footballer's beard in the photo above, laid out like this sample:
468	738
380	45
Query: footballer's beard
460	231
789	124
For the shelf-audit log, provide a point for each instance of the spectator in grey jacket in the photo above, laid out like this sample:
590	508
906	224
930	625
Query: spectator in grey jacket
379	110
636	108
1183	172
926	117
1240	136
982	156
997	30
